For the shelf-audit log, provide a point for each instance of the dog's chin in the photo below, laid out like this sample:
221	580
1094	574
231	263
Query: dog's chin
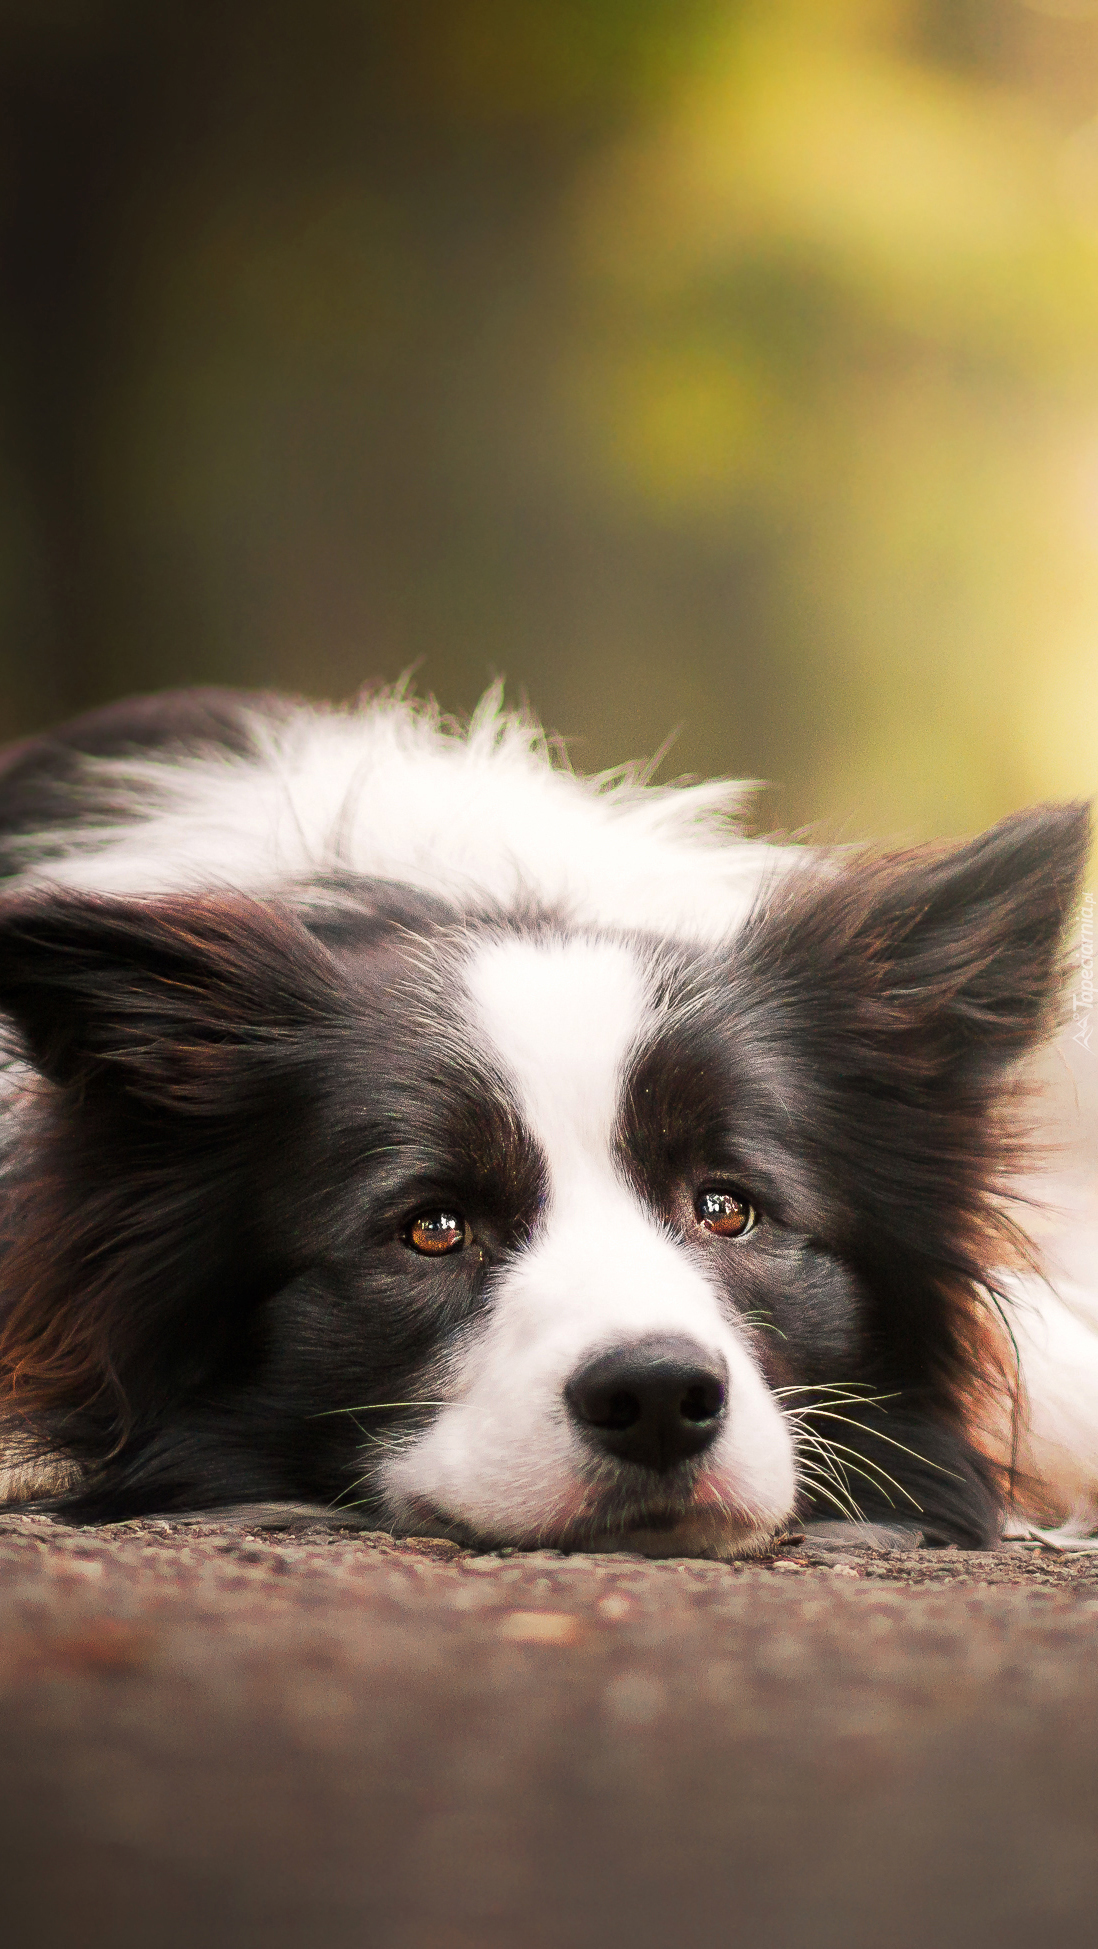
695	1533
719	1535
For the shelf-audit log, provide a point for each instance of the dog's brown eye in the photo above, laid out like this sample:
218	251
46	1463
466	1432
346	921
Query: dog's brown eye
724	1213
436	1232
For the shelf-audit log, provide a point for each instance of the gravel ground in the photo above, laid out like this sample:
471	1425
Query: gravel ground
268	1730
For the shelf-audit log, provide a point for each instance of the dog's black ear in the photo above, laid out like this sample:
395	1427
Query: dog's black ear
152	996
950	959
975	937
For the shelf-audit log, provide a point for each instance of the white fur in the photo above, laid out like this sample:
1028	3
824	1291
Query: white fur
1056	1329
25	1472
1055	1325
392	789
560	1017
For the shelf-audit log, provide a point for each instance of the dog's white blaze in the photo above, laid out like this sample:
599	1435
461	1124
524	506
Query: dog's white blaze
561	1017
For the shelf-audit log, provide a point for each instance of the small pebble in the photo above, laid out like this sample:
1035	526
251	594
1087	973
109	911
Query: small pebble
613	1607
540	1627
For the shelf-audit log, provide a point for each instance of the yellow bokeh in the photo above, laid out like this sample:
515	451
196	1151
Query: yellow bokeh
719	366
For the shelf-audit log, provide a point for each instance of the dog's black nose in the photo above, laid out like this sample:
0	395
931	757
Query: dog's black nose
655	1402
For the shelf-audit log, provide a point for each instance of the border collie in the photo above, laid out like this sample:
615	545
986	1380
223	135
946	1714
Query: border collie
394	1120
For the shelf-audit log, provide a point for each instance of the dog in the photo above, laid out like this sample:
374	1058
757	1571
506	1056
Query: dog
396	1121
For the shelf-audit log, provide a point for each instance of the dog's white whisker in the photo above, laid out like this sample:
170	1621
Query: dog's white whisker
877	1434
377	1407
817	1463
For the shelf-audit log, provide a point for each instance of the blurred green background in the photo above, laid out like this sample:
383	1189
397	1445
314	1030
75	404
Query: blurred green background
699	365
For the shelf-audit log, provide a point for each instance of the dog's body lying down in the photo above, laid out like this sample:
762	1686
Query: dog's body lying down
395	1120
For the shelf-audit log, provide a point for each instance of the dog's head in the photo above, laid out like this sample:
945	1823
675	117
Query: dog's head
505	1228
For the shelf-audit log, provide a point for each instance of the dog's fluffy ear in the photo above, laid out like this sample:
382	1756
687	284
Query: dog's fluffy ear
952	958
153	996
974	939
